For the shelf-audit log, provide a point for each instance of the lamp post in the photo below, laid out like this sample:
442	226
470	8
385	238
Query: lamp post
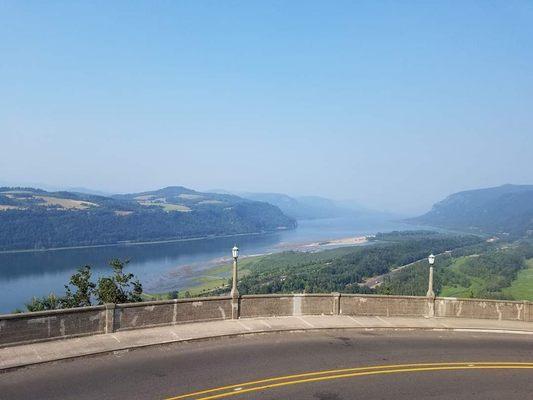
431	260
235	254
234	291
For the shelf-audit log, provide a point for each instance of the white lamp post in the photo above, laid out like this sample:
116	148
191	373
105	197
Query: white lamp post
235	254
431	260
234	292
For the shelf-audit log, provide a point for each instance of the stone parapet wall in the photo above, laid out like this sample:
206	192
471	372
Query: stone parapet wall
266	306
47	325
484	309
156	313
274	305
387	306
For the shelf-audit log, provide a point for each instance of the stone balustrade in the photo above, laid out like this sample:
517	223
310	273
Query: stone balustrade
47	325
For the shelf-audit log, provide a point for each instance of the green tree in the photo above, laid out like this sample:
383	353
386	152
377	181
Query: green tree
50	302
83	289
120	287
173	294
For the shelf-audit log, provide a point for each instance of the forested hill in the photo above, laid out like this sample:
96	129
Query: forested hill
36	219
504	209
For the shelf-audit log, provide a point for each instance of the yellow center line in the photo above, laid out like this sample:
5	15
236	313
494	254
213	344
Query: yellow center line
345	373
331	377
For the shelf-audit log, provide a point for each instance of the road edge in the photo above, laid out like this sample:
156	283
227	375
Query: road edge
263	332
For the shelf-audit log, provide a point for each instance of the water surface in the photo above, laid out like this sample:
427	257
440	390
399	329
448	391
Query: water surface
161	267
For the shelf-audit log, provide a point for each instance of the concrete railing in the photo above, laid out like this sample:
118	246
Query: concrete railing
47	325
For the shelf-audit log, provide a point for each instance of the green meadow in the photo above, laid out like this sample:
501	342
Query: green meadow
522	286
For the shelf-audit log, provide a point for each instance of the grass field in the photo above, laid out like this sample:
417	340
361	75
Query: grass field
522	286
46	201
66	203
166	206
461	291
520	289
174	207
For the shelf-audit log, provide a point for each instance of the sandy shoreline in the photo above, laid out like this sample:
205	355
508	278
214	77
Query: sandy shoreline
340	242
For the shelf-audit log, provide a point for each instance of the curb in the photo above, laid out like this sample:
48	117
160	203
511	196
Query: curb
258	332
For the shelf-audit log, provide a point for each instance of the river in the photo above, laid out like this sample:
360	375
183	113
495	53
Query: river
161	267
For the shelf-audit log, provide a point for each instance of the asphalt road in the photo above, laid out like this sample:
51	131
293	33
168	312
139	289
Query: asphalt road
329	365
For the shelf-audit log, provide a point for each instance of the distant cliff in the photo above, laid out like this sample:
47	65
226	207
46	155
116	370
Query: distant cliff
33	218
504	209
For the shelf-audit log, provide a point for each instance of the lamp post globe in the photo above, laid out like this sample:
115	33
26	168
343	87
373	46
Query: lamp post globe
431	259
235	252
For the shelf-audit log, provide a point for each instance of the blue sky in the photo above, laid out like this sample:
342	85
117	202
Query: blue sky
395	104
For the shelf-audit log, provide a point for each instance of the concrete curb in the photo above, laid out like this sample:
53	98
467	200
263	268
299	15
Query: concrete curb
264	332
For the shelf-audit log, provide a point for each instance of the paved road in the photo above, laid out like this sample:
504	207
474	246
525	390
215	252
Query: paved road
174	370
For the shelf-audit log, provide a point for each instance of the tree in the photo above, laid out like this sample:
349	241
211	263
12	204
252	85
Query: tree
84	289
50	302
120	287
81	291
107	291
174	294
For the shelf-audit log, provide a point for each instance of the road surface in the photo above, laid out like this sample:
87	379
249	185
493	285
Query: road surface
323	365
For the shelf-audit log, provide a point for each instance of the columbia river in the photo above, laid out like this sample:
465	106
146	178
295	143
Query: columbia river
161	267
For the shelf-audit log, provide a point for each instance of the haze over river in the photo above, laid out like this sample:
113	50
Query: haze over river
161	267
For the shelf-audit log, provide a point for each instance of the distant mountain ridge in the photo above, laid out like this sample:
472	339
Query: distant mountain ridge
34	218
504	209
309	207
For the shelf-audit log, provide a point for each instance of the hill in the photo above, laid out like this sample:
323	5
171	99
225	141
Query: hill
34	218
506	209
308	207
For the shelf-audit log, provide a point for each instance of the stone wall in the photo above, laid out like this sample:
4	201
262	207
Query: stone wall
46	325
388	306
484	309
266	306
154	313
274	305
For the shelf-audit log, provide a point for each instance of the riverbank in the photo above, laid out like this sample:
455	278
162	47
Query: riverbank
217	276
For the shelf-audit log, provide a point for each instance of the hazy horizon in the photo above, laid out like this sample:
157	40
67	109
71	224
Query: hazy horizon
393	105
356	202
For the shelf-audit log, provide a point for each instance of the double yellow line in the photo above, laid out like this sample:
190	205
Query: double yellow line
269	383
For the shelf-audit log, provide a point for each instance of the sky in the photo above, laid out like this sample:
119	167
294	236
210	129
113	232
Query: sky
393	104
